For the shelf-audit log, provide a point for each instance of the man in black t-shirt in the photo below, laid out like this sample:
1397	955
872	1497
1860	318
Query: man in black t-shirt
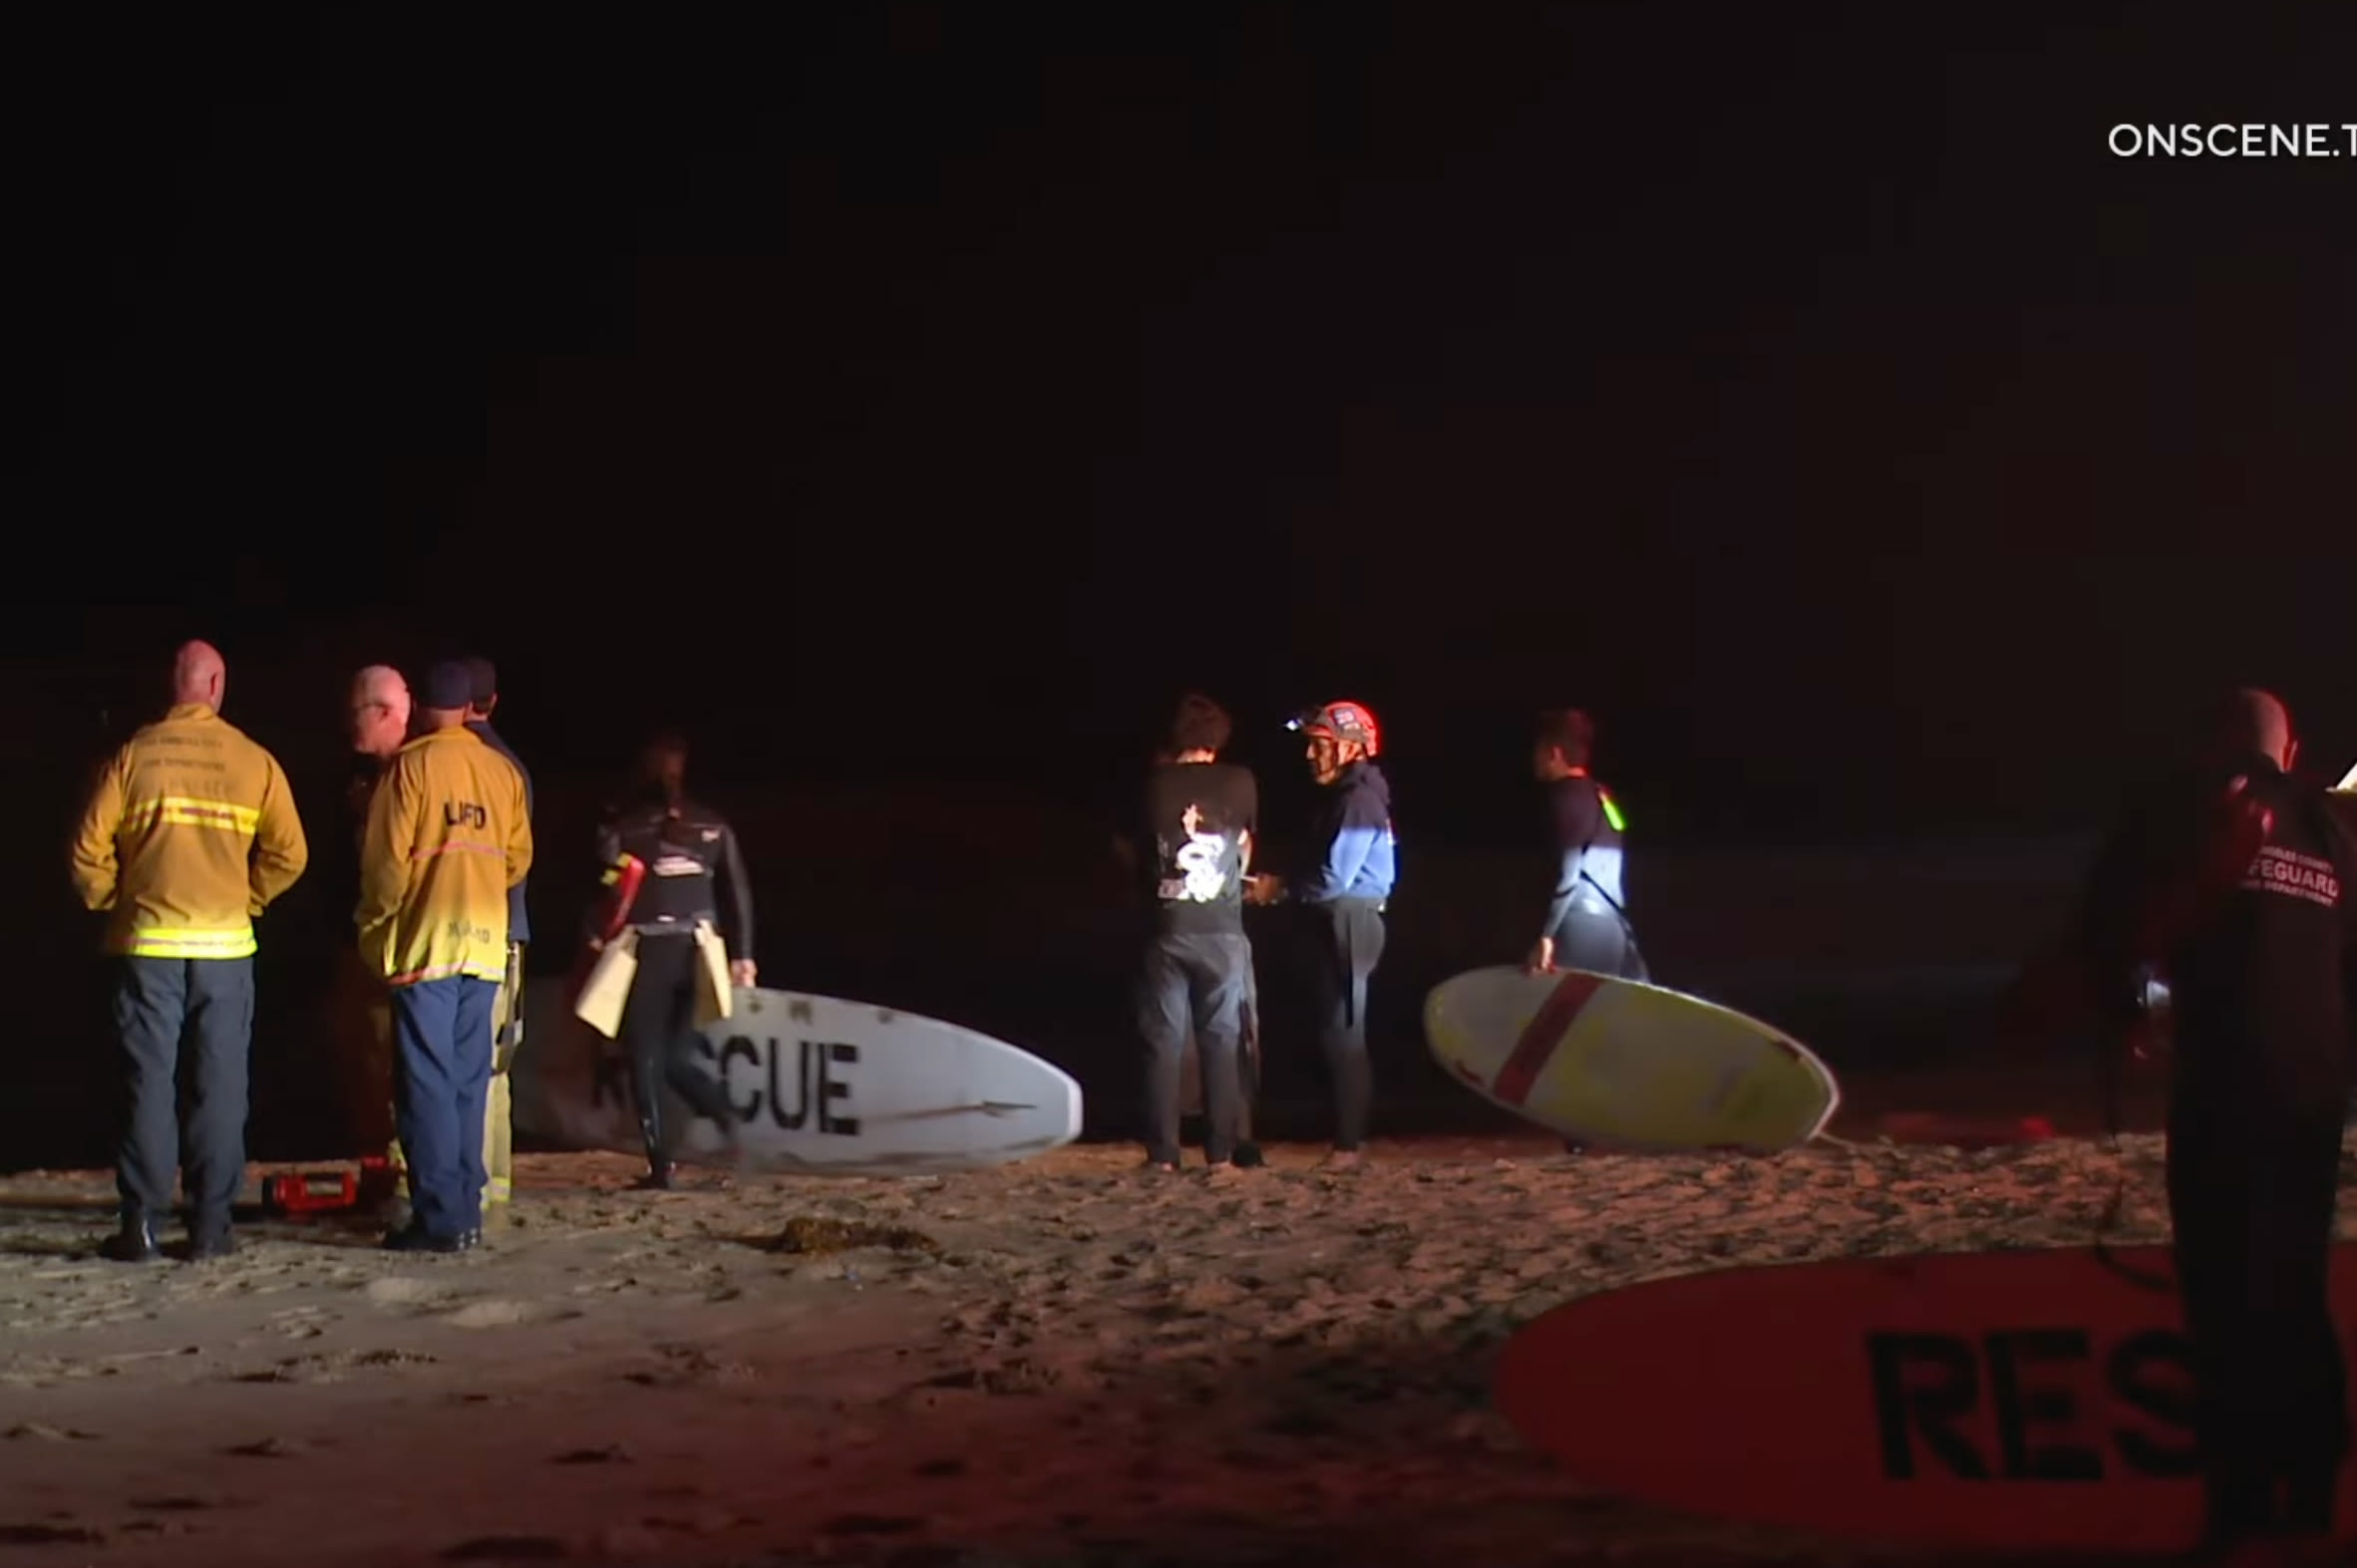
1199	815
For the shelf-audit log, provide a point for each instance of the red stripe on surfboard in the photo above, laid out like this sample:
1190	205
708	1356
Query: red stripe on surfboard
1540	1037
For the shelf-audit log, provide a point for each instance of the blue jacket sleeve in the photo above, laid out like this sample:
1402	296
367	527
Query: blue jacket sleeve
1345	855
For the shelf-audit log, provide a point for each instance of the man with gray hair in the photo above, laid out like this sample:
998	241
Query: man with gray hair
380	716
2234	882
378	719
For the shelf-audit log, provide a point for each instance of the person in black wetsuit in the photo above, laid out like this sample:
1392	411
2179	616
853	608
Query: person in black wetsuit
1587	925
693	875
2235	879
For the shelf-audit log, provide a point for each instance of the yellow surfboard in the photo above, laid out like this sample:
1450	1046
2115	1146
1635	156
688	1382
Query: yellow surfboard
1624	1065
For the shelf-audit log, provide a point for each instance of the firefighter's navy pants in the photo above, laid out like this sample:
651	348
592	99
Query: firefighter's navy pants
158	1002
441	1030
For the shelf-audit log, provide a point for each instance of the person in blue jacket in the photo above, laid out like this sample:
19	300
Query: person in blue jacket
1356	857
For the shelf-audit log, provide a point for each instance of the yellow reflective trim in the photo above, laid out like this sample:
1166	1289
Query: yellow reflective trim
179	942
1612	811
182	810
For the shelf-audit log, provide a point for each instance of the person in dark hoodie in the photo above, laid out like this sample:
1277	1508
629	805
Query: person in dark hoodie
1345	891
2234	880
1587	924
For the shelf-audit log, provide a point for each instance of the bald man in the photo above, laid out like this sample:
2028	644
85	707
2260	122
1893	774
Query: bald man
380	716
2235	883
190	834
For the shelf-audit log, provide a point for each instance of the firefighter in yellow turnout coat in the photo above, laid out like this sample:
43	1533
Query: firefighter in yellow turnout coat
448	834
190	833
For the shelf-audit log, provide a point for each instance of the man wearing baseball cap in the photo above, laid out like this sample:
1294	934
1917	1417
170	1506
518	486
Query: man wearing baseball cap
499	1136
1345	893
448	835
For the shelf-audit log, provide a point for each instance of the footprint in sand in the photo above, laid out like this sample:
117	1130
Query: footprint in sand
506	1548
49	1434
266	1449
49	1535
413	1296
506	1314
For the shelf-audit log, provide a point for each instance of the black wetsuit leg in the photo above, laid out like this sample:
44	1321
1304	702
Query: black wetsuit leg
1597	937
1350	938
658	1033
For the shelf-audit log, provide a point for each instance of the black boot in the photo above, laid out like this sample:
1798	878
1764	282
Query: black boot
412	1238
211	1241
658	1160
135	1242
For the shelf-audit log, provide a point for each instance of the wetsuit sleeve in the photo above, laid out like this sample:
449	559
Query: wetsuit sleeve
94	862
2119	885
1577	816
735	892
281	852
1345	855
619	873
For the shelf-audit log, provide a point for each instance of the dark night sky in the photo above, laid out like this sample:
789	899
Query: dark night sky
1819	400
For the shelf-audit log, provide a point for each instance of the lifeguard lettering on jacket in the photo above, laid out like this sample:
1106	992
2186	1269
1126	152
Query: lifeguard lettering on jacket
465	813
2295	876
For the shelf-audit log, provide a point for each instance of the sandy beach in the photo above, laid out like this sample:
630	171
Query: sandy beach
1061	1362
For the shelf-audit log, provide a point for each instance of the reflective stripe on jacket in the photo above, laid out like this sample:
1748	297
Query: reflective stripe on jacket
190	834
448	834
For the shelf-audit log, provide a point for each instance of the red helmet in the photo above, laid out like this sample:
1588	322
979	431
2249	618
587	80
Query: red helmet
1345	720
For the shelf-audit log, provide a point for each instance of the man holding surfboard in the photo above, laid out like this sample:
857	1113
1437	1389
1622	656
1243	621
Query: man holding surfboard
678	890
1345	891
1587	925
2237	886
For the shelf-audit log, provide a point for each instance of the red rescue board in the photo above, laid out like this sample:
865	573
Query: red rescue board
2036	1399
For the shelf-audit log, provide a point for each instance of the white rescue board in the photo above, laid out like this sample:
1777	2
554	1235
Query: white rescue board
823	1087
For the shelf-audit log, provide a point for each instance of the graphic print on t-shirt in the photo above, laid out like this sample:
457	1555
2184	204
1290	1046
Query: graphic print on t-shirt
1203	862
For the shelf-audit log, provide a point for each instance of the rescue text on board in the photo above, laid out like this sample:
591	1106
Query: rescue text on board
814	1083
2034	1404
